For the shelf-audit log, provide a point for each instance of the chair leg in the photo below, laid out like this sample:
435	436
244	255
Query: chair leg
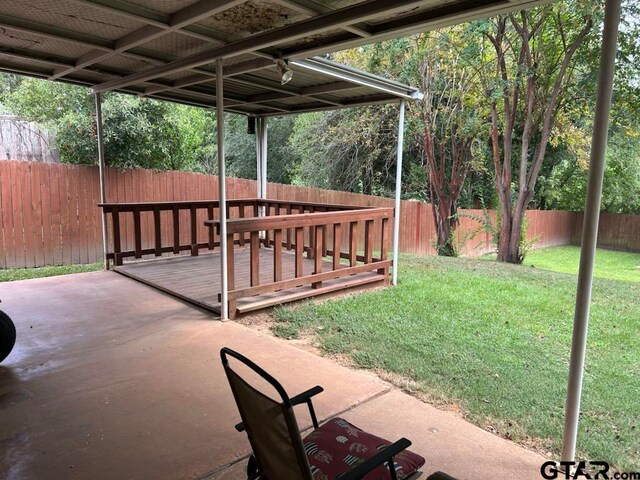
252	469
392	469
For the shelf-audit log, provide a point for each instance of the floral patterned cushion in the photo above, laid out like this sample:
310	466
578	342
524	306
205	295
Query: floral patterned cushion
337	447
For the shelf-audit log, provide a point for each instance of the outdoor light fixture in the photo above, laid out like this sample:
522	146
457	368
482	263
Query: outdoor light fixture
285	71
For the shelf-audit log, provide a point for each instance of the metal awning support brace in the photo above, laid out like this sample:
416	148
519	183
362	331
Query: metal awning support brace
396	216
101	173
590	227
224	294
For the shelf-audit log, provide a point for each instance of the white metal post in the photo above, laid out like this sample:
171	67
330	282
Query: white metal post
101	173
224	294
590	227
259	157
263	151
396	216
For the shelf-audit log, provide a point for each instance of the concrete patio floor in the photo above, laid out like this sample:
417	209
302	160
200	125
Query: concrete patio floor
111	379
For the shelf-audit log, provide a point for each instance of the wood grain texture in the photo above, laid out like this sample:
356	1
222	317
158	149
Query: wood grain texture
197	279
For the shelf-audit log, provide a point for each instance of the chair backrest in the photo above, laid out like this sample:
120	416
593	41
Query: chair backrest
270	425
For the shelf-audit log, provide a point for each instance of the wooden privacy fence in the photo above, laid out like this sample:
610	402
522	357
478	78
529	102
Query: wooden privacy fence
49	214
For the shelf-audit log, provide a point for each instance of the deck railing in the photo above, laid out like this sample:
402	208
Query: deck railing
137	230
341	240
324	236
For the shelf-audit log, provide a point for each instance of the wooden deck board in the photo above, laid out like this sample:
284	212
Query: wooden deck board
197	279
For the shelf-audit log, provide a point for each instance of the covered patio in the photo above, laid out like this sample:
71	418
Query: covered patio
143	394
150	357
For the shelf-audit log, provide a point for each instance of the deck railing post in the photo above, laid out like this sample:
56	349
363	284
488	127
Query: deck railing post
254	261
337	238
117	245
384	246
277	255
194	231
368	241
212	238
317	256
353	243
157	229
137	232
176	230
299	250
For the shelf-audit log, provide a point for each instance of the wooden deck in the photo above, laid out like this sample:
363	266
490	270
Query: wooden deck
196	279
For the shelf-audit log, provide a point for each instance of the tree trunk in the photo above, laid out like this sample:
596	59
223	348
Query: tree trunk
506	221
444	211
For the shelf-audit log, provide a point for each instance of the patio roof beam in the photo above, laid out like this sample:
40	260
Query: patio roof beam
248	67
55	33
303	92
288	91
186	101
88	41
409	24
62	63
590	227
179	85
265	98
163	21
143	15
182	18
237	69
363	103
312	9
207	100
322	23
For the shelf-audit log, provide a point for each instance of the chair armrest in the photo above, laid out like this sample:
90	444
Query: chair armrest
297	400
379	458
305	396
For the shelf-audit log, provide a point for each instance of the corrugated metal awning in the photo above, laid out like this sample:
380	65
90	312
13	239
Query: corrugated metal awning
167	49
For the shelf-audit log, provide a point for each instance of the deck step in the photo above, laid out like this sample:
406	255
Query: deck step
265	301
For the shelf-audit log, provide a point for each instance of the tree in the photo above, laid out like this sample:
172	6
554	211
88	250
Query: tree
241	149
450	123
351	150
567	184
529	83
138	132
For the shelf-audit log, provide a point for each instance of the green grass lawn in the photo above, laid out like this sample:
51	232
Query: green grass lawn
10	274
494	340
609	263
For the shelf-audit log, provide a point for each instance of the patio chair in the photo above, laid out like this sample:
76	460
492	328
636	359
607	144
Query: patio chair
334	450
